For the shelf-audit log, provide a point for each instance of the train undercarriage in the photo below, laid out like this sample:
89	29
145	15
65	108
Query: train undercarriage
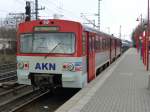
45	80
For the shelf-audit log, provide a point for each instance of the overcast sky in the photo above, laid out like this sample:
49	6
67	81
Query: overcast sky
113	12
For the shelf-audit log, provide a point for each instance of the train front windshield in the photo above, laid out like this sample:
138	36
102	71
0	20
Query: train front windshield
47	43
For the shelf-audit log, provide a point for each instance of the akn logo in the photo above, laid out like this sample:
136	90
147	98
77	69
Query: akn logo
45	66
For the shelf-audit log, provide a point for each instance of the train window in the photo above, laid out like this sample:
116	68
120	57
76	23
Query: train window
108	43
113	43
100	45
93	43
48	43
26	39
84	43
90	44
117	43
97	43
103	44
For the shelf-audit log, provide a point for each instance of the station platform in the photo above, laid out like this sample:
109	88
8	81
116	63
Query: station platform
122	87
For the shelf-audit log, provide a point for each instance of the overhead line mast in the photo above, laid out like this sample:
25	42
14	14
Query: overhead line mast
37	9
99	14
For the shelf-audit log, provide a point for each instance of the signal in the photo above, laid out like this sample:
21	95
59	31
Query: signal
28	11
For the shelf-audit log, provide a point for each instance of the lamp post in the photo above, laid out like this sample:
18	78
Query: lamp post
147	41
147	67
99	14
140	38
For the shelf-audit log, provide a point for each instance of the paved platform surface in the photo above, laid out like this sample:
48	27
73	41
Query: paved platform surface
121	88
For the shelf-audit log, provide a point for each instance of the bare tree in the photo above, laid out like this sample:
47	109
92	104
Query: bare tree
8	33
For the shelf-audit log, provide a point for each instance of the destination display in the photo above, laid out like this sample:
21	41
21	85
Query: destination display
46	29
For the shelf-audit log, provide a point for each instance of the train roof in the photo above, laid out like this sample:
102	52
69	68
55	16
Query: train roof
45	20
85	27
89	29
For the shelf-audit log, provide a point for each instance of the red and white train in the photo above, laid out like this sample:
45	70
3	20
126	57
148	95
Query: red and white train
62	53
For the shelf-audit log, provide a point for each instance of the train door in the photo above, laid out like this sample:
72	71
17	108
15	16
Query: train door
91	57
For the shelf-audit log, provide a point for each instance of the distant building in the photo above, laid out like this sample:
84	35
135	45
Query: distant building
7	43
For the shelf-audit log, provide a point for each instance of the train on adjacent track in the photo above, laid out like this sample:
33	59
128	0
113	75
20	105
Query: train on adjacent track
64	53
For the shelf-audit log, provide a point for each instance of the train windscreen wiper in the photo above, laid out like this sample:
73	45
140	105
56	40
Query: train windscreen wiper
53	49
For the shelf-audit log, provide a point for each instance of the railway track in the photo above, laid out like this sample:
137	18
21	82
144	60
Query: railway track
8	72
6	67
22	98
14	97
28	99
49	102
7	76
17	97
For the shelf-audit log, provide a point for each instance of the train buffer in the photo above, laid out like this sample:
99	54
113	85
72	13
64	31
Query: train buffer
122	87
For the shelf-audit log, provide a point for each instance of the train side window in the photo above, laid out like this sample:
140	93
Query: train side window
103	44
90	44
117	43
100	41
84	43
96	43
112	43
108	43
